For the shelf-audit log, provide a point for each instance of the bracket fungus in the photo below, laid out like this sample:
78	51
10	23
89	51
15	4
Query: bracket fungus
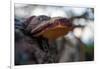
47	27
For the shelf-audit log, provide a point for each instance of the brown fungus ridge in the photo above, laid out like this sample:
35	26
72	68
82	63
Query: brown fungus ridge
50	28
